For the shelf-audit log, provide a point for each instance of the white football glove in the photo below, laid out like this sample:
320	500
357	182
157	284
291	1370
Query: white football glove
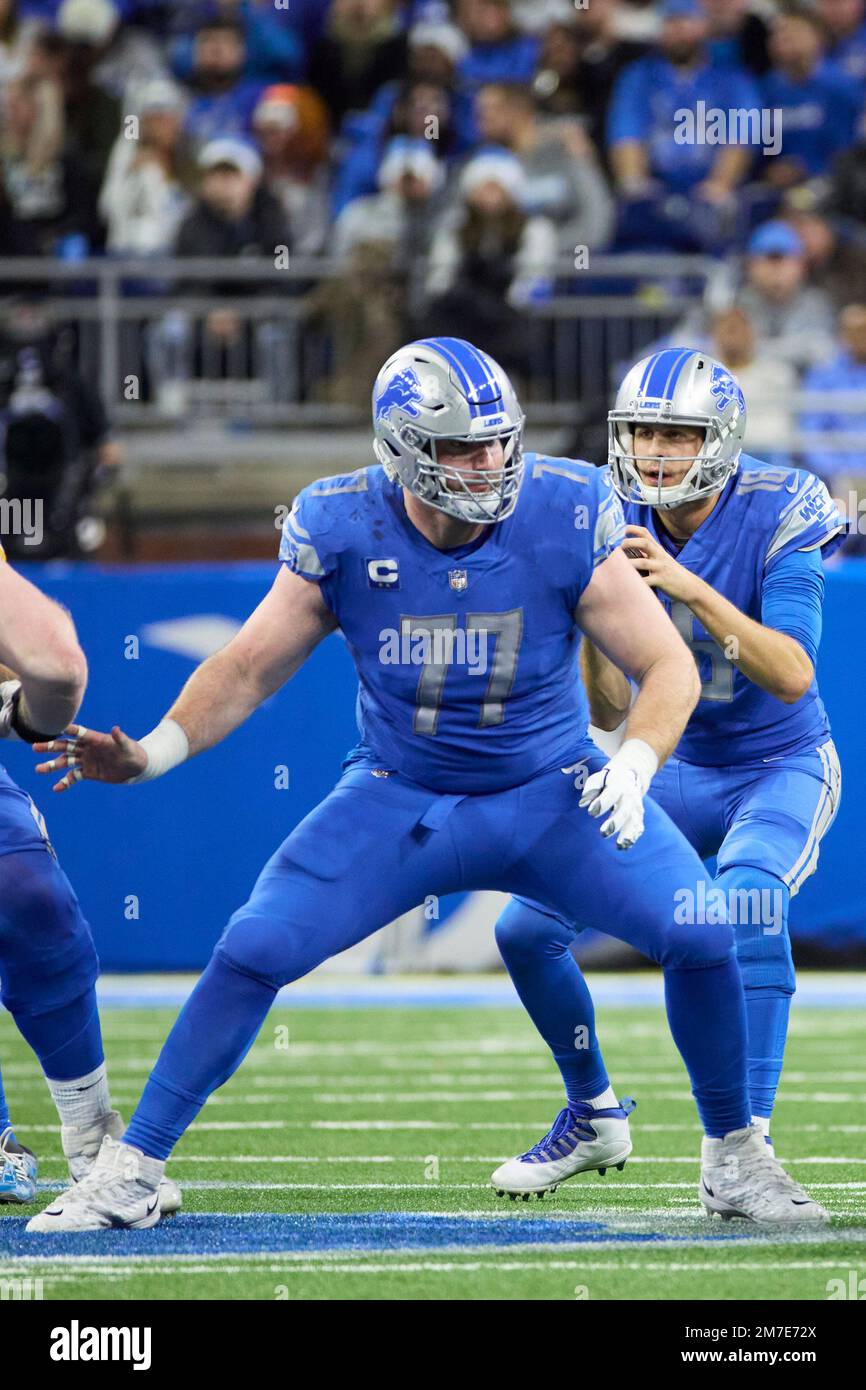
8	690
620	787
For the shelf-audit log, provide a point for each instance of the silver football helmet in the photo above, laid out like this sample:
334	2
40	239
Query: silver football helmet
445	389
679	386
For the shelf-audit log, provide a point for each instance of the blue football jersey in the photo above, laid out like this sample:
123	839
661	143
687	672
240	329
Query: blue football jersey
466	658
762	515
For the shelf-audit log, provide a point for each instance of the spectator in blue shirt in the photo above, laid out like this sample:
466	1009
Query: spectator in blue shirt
646	111
222	98
845	26
819	105
498	52
844	374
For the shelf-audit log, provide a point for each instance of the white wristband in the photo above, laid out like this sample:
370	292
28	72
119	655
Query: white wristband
638	754
165	747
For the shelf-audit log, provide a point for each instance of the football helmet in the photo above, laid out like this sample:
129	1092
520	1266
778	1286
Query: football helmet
440	389
679	386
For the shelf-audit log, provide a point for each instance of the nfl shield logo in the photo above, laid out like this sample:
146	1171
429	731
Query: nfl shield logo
458	579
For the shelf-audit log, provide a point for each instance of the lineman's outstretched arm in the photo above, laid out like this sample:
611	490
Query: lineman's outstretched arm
39	649
220	694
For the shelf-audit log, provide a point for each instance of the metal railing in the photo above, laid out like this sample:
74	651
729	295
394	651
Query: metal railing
150	348
140	329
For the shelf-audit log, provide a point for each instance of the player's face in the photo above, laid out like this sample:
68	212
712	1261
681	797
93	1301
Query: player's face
652	443
470	461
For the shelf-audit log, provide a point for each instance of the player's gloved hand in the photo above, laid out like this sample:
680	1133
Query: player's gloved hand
619	788
8	691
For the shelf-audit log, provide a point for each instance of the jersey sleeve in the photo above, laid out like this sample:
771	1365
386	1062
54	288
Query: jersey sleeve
310	544
609	520
810	520
792	598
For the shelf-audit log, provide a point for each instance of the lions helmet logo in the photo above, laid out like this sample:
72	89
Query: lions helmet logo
402	392
724	390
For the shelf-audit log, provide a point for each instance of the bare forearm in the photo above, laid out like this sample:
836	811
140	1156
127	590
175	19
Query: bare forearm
668	692
772	660
607	689
216	700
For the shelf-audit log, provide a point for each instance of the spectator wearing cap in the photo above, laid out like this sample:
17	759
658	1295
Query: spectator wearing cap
498	51
794	318
581	58
118	56
399	218
70	55
738	36
222	97
819	105
233	216
844	375
489	260
844	24
291	128
648	160
362	48
149	179
562	178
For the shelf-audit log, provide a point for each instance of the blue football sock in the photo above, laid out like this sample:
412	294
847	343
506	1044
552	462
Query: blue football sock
68	1040
758	907
535	949
767	1013
707	1018
214	1031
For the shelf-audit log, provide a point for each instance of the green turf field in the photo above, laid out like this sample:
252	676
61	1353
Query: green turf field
397	1116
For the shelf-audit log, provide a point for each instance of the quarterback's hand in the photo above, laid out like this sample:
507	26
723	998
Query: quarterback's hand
95	757
656	566
619	788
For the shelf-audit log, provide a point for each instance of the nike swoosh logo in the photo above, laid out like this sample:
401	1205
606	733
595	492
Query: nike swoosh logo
801	1201
709	1191
153	1205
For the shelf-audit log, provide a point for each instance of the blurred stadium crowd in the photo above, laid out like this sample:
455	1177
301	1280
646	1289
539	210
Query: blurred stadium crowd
516	172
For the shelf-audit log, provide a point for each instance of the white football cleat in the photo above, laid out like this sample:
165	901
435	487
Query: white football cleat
121	1190
739	1177
81	1144
580	1139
